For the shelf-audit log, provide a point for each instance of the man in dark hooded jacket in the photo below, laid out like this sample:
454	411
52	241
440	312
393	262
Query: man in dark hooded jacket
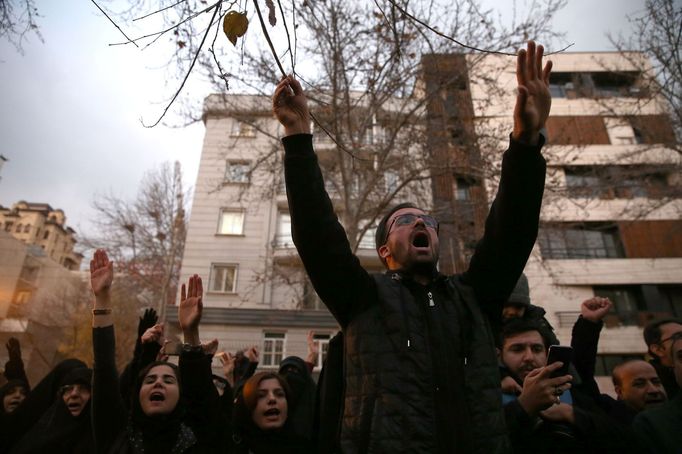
419	360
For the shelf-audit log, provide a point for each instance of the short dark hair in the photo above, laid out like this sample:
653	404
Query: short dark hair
519	325
652	331
381	233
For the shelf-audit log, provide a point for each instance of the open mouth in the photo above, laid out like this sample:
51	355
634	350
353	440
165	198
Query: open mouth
74	405
420	239
272	412
157	397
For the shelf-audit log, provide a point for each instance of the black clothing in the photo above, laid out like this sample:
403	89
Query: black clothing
667	376
404	353
301	405
192	427
329	398
658	429
36	404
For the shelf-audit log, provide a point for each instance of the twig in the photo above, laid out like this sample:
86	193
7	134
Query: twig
215	58
159	11
115	24
267	37
189	71
466	46
286	29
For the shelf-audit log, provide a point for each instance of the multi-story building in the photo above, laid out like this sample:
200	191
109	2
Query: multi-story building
611	220
610	223
41	225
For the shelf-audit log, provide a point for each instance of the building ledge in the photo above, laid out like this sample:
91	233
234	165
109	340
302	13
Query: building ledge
263	317
615	271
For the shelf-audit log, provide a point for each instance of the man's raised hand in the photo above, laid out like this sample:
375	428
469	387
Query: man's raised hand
291	106
190	309
540	390
101	277
595	308
533	100
227	360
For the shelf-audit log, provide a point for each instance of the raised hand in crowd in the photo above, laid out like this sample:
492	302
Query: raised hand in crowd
210	347
595	309
101	278
154	334
163	355
252	354
291	106
190	309
533	100
149	319
227	360
541	390
313	348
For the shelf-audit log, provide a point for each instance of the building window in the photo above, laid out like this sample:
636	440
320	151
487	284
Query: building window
273	349
243	129
322	341
623	182
462	189
391	181
560	84
605	363
587	241
611	84
18	229
310	301
46	235
27	228
283	237
620	131
237	172
223	278
8	226
583	181
231	222
627	300
672	299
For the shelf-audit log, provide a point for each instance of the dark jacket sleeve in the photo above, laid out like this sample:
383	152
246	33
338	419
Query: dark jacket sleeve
519	423
510	229
204	414
144	354
584	340
108	410
321	241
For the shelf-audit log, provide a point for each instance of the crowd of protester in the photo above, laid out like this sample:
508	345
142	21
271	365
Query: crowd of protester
423	362
178	405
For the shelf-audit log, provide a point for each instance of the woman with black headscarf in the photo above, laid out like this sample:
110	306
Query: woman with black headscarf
261	418
45	407
173	410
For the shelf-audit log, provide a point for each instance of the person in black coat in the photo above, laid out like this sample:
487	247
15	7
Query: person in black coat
17	387
658	337
261	418
302	404
44	398
65	426
173	409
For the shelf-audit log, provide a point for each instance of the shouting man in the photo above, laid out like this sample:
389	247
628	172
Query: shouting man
421	373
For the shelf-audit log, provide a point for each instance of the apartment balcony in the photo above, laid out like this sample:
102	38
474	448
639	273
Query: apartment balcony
284	253
576	155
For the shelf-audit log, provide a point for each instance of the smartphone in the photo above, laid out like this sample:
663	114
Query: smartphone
560	353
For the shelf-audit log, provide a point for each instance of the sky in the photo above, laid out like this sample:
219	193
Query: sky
70	107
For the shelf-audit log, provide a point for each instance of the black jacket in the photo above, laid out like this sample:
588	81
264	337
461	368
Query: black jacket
658	429
414	370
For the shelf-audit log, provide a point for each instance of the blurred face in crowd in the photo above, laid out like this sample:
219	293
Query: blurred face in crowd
13	398
639	385
677	360
160	392
271	407
411	241
76	397
663	348
513	310
523	352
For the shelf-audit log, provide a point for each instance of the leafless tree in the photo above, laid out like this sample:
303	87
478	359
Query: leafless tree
18	20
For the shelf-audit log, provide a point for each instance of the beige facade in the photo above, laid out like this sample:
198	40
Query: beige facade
610	223
617	237
41	225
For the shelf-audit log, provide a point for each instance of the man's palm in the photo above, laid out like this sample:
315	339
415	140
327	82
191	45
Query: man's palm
102	278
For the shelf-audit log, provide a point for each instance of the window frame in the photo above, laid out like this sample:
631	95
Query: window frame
237	162
211	279
274	336
223	211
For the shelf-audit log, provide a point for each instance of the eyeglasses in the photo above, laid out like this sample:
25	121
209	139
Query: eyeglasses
409	219
67	389
673	337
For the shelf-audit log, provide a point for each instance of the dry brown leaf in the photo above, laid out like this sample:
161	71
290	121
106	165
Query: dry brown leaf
271	8
235	25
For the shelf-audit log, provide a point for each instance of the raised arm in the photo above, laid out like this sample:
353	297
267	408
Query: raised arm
198	391
108	410
14	367
320	239
512	224
585	339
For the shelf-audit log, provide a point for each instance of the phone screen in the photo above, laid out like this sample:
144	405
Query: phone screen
560	353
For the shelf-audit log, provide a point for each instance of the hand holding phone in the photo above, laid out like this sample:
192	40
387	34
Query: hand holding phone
560	353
